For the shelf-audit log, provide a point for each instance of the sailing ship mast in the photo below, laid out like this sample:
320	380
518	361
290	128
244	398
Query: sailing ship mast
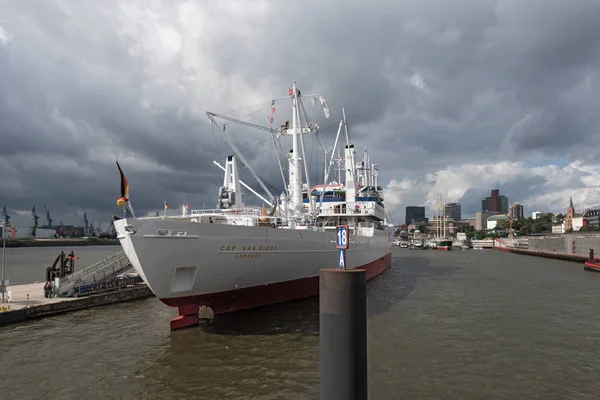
441	218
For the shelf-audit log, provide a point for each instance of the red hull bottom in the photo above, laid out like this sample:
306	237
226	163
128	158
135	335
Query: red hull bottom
591	266
442	248
257	296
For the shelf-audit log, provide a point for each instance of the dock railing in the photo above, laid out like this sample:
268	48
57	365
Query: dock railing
101	270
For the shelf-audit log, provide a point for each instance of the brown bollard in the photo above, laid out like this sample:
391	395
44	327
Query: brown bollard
343	334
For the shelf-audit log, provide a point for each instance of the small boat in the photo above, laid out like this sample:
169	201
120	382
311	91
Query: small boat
477	247
592	264
464	247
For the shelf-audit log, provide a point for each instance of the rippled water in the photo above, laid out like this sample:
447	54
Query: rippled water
442	325
27	265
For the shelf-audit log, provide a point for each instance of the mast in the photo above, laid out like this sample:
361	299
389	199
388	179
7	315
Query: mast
293	201
349	164
306	173
339	164
295	171
441	219
444	213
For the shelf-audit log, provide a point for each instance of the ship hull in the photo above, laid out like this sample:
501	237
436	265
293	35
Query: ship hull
230	268
444	245
267	294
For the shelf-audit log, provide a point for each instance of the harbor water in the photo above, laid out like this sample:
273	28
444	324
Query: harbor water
441	325
28	264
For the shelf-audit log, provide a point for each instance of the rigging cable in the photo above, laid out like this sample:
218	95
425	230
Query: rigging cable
212	126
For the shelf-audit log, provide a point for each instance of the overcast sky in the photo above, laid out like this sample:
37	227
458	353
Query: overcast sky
454	97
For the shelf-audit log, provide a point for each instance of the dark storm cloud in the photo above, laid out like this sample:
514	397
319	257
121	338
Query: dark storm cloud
425	84
471	201
517	84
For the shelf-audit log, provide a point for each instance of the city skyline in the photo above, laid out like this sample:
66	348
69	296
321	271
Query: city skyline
22	218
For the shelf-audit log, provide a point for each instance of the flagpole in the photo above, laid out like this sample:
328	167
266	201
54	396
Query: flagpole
130	208
3	255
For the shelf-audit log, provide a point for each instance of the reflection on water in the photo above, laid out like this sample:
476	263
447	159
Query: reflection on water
465	325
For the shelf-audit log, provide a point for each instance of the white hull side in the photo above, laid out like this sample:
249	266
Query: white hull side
214	258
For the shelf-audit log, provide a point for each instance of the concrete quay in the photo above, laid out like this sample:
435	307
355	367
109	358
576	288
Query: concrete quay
548	254
28	301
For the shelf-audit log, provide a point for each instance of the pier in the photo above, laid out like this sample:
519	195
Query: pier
105	281
28	301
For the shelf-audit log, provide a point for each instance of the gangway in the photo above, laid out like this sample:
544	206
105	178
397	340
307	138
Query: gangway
101	270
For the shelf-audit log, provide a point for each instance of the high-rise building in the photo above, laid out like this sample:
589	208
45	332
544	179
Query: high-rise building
517	212
503	204
495	200
495	203
453	211
415	214
486	204
481	218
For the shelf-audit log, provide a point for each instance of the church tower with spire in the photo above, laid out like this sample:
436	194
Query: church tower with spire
570	215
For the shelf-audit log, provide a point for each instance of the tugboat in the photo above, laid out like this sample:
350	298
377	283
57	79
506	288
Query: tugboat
592	264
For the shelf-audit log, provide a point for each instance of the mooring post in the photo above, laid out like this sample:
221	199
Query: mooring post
343	334
591	255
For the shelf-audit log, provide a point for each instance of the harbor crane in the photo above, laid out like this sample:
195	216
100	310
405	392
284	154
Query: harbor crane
48	217
35	217
5	215
85	224
511	215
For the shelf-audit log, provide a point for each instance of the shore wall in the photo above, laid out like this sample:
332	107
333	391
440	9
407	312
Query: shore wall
44	310
572	247
555	245
565	244
547	254
584	244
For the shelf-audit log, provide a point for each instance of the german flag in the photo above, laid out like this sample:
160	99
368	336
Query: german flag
124	188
